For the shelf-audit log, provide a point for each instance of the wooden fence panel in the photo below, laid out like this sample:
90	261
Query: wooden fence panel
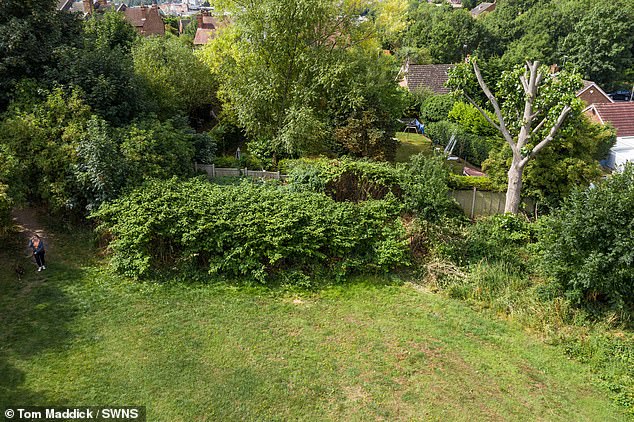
482	203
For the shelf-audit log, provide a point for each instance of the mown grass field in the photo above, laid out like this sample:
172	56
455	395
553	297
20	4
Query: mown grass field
373	349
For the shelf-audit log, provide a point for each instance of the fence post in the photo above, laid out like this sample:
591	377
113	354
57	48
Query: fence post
278	175
473	202
213	170
196	167
246	171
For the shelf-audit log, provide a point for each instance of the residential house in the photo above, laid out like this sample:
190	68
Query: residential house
207	26
425	76
146	20
482	9
85	7
591	93
621	116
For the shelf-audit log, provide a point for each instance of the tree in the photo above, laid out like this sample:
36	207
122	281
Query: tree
601	44
535	105
441	34
587	245
30	34
102	67
288	70
177	81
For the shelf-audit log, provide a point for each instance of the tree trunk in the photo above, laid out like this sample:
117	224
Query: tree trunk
514	189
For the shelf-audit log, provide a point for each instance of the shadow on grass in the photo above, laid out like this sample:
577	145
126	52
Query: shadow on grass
35	318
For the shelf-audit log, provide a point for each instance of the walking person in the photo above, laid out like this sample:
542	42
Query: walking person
37	245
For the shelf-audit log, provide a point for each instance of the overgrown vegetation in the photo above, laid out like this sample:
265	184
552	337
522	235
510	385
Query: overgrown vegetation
250	231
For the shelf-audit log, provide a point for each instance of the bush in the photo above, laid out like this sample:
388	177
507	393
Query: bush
424	181
436	108
344	179
481	183
249	230
368	134
500	238
588	245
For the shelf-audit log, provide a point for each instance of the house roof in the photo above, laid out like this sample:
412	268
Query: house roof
481	8
431	76
620	115
203	36
146	20
589	85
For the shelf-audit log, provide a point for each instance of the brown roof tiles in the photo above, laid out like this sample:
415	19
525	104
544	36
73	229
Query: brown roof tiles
430	76
620	115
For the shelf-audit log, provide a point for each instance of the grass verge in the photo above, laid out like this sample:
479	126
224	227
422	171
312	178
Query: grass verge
371	349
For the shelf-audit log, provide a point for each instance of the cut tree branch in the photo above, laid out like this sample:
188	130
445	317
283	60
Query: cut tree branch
550	137
498	113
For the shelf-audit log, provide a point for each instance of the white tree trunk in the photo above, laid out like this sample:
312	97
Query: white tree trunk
514	189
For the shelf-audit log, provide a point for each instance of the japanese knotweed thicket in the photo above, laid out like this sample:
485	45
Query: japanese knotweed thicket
249	231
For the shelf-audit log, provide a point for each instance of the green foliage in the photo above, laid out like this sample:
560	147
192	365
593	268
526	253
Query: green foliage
344	179
500	238
439	34
10	189
471	120
601	43
176	80
587	246
44	137
155	149
436	108
290	72
31	33
424	181
249	230
366	136
482	183
100	171
102	67
421	184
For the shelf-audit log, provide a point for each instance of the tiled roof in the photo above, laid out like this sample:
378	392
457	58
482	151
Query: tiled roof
135	15
202	36
431	76
620	115
482	7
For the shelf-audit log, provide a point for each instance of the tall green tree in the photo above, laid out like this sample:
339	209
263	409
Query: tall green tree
282	62
102	67
441	34
601	44
177	81
31	31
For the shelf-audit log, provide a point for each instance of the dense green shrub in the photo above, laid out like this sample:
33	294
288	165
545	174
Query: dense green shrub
500	238
424	181
421	184
588	245
368	134
436	108
249	230
344	179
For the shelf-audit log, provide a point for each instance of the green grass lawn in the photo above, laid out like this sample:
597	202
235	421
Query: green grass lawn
412	144
372	349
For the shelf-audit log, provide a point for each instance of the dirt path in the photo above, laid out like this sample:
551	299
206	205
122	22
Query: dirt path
26	220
